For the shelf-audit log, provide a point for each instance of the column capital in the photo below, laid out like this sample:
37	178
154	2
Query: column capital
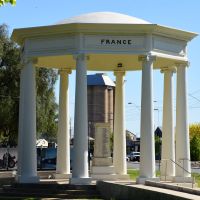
80	56
182	64
119	72
65	71
26	60
146	58
168	69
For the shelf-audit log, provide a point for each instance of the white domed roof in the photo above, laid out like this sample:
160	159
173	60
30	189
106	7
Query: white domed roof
104	18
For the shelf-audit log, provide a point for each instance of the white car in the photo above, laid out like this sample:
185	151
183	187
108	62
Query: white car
134	156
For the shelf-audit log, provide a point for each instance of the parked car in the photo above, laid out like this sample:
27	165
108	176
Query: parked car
134	156
46	158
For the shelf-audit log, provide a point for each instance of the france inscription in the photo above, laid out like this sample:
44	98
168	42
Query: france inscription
116	42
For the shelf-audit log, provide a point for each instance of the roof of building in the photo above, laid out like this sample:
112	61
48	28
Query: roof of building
99	79
41	143
103	18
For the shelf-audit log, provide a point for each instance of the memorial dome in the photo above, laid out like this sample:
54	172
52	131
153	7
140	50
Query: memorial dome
103	18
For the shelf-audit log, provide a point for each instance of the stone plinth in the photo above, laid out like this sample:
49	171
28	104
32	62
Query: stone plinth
102	167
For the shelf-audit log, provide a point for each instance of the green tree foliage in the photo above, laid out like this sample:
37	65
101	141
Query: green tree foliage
47	108
9	86
194	130
158	143
195	148
9	94
2	2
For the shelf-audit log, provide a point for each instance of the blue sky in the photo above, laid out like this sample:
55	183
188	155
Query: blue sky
181	14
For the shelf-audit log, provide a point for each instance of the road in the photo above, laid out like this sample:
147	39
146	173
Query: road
136	165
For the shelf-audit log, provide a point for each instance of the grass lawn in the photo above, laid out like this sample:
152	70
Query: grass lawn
135	173
197	178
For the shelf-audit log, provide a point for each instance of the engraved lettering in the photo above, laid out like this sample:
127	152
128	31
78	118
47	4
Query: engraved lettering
102	41
113	42
107	41
116	42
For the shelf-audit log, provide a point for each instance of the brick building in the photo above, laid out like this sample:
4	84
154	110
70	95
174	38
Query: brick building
100	93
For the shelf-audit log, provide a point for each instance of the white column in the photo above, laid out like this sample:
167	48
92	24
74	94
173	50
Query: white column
80	152
147	144
168	140
119	150
182	129
27	126
63	138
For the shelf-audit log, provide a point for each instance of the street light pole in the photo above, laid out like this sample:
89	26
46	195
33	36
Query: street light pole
156	109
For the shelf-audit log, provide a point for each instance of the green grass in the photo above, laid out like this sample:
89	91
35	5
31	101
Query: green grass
134	173
197	178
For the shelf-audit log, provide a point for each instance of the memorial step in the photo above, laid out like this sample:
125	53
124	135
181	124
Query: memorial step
63	191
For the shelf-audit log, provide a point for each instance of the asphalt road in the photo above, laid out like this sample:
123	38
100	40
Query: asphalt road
130	164
136	165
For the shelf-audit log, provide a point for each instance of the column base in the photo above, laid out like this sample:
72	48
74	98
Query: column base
141	180
180	179
80	181
62	176
27	179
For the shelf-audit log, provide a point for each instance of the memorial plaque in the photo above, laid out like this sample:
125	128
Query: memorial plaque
102	141
102	145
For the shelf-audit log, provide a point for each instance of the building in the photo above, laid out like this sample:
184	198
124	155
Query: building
100	93
132	142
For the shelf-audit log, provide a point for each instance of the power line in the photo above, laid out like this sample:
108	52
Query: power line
194	97
195	91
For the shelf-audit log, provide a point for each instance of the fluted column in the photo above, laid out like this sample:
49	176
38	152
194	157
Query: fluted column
80	152
182	129
119	154
27	126
168	140
63	138
147	144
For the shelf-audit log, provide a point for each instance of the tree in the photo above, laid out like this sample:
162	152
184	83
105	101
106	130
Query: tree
9	87
2	2
195	148
194	131
158	144
47	108
9	94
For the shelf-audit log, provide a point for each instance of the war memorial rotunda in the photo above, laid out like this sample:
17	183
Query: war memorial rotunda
106	41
